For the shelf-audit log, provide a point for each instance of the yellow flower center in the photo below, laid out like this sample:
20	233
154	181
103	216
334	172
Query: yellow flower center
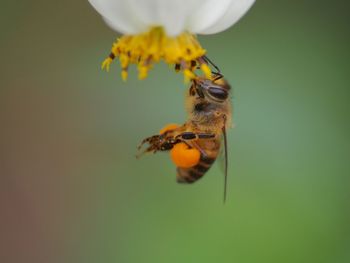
183	52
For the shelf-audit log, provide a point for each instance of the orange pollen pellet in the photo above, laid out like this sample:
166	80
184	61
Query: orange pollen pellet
183	156
168	127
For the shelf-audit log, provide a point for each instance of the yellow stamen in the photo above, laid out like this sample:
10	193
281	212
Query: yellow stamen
149	48
124	74
106	63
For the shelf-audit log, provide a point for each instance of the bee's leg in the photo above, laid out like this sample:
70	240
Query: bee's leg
157	143
151	148
192	136
193	144
140	154
151	140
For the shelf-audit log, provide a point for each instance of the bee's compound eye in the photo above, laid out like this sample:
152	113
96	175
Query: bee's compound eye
218	93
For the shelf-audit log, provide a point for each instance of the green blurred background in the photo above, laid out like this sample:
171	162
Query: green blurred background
71	189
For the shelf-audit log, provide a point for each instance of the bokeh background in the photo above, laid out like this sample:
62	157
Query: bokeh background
71	189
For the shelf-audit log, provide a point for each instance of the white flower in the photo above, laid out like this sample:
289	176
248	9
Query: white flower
166	20
176	16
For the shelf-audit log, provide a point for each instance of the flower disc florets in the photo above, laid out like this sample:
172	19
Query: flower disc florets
146	49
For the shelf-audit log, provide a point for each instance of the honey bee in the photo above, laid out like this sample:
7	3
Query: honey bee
195	145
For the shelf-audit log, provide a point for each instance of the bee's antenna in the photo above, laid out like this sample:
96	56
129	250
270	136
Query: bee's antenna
217	74
212	64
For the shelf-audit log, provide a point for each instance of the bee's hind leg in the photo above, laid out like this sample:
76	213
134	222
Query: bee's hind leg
152	140
147	150
190	139
153	145
193	136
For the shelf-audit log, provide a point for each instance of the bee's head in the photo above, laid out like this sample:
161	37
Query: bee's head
212	90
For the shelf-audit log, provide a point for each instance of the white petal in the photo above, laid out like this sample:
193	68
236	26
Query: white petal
118	15
171	14
234	12
206	14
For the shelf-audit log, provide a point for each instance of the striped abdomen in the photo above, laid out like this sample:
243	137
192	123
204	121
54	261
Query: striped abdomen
192	174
